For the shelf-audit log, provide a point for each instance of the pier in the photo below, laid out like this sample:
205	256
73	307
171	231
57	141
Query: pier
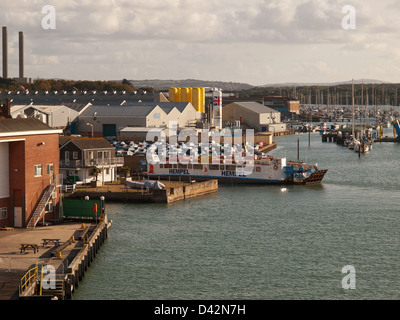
21	273
174	191
330	137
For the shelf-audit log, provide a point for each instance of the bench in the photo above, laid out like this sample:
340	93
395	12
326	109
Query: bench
60	248
83	233
31	246
56	242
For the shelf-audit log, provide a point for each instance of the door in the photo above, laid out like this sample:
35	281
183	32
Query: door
109	130
18	217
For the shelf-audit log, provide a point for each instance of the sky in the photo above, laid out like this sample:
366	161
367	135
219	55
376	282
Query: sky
253	41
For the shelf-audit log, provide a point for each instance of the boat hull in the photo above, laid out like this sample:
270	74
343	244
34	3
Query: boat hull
315	178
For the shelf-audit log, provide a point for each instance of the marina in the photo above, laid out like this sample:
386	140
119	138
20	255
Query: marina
262	242
199	152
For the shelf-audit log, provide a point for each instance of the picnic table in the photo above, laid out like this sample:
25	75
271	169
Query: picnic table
32	246
56	242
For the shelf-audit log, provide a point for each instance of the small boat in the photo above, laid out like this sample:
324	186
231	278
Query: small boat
145	184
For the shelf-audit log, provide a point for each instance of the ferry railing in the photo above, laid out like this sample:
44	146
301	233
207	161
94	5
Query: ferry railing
28	279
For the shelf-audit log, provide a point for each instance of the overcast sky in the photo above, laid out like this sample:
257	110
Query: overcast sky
253	41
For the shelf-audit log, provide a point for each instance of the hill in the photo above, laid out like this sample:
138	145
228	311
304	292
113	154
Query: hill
163	85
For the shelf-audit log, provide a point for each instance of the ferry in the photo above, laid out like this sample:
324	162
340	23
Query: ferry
255	169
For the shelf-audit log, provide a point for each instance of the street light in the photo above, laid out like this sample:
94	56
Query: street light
89	124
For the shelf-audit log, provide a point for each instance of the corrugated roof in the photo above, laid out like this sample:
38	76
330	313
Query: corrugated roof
22	124
255	107
86	143
133	109
60	98
124	110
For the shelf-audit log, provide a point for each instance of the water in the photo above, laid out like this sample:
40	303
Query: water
257	242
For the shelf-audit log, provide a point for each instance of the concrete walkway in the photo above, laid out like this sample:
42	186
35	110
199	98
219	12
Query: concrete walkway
10	243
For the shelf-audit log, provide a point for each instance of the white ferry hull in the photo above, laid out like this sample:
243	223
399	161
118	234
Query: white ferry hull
265	171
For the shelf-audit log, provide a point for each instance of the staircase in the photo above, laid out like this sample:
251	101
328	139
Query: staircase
40	208
58	291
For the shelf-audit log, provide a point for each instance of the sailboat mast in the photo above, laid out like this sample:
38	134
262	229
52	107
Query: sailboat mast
353	105
361	110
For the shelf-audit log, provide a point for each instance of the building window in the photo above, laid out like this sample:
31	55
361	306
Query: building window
75	155
38	170
3	213
50	169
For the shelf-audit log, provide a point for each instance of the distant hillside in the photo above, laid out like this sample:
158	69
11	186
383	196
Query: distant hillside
166	84
297	84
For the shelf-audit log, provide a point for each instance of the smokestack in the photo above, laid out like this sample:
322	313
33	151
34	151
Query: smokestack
5	53
21	54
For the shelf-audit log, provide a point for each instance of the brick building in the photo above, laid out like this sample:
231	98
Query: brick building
288	107
29	167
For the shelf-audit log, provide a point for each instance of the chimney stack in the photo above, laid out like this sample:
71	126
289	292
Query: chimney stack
5	53
21	54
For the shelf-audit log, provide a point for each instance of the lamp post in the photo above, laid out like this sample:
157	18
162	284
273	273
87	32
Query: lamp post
89	124
102	211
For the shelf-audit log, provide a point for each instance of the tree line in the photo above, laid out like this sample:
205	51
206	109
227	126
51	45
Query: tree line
70	85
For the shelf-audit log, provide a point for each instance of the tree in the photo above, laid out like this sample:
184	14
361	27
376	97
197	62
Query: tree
94	172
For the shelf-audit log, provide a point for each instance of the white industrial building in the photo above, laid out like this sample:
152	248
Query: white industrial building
108	121
253	115
55	116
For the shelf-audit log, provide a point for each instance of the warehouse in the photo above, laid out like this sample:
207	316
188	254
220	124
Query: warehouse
108	121
253	115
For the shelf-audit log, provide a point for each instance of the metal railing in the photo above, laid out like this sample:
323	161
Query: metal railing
91	162
29	278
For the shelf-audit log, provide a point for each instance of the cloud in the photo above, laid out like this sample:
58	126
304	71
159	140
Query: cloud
234	40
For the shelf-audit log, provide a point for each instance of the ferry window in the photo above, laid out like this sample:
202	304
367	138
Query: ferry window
214	167
168	166
198	166
182	166
175	166
161	166
231	168
3	213
221	167
258	169
190	166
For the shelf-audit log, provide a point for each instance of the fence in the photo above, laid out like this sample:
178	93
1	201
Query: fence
76	208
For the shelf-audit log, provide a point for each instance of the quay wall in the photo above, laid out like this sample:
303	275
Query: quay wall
80	264
169	195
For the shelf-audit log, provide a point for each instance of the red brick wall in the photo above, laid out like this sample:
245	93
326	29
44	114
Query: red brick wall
37	153
24	155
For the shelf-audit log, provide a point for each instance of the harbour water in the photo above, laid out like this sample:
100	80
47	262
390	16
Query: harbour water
262	242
